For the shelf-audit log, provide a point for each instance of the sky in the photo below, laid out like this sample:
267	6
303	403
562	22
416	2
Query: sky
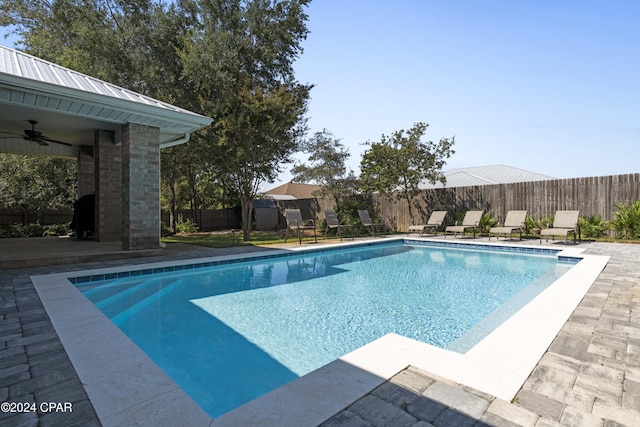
552	87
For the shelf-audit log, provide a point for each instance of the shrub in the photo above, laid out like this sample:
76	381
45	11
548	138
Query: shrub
533	226
165	230
34	230
627	221
487	220
593	226
185	225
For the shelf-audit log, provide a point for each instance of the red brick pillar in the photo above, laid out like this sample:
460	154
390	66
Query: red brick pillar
140	187
108	177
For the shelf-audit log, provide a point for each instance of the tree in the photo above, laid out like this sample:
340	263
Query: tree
129	43
34	184
228	59
398	163
239	58
326	167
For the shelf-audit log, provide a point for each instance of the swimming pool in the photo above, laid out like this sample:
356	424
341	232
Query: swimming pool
126	387
229	332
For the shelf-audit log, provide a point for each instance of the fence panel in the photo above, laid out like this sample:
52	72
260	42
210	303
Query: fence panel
10	217
590	195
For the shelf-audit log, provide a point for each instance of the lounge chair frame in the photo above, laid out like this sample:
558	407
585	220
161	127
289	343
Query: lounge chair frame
295	223
564	223
434	222
332	221
471	221
514	221
366	221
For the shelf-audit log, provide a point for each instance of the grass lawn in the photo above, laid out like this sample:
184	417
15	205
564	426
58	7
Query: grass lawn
225	239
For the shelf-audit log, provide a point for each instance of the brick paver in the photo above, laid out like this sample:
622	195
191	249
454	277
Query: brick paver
589	376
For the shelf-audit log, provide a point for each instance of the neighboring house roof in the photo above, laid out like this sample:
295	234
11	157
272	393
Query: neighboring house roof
485	175
292	191
55	93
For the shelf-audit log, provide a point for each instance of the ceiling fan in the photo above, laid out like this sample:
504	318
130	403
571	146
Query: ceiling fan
36	136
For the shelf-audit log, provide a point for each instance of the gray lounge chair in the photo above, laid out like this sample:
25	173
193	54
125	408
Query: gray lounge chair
564	223
513	222
366	221
333	222
435	221
471	221
295	223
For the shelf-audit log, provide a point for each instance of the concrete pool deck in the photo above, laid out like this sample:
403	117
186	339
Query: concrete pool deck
590	375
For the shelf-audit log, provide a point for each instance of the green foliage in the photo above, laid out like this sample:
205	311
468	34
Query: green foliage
34	230
487	220
225	239
186	225
326	167
627	220
57	230
533	225
36	183
593	226
239	57
348	212
165	230
231	60
400	162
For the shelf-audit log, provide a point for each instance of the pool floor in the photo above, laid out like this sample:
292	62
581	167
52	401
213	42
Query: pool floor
229	334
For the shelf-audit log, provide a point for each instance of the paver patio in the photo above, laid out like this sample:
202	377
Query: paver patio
590	375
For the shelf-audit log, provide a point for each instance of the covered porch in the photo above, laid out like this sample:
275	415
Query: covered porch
114	134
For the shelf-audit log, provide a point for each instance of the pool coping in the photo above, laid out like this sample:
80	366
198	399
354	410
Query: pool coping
124	384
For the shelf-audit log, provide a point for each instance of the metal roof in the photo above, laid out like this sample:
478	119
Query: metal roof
50	92
486	175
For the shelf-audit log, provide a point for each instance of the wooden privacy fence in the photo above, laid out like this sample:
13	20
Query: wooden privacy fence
11	216
592	195
210	219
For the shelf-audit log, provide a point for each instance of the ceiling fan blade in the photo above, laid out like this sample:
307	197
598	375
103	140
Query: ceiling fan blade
45	140
9	133
38	141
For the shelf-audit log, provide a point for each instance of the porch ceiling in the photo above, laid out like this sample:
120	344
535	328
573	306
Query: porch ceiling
70	107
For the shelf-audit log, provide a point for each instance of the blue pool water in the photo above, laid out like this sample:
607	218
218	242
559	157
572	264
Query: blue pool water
229	333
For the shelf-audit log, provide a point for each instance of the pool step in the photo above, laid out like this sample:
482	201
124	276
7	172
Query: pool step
104	290
115	303
124	315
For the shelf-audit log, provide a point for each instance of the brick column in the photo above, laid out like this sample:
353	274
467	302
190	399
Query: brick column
140	187
86	171
108	177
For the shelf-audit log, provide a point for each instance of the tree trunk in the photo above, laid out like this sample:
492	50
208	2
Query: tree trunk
409	207
172	207
247	208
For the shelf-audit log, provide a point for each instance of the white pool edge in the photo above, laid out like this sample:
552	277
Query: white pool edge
124	384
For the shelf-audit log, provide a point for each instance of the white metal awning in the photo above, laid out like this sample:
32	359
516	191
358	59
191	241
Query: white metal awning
70	106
